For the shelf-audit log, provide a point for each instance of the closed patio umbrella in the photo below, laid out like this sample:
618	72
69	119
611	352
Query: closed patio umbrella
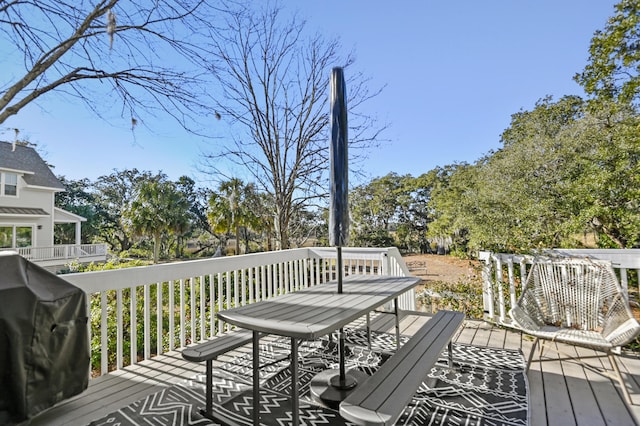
338	385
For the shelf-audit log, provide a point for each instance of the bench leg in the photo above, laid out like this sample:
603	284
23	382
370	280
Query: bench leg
396	311
450	349
295	405
256	378
368	331
209	391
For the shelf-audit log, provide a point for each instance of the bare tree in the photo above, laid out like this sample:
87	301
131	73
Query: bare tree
147	52
275	84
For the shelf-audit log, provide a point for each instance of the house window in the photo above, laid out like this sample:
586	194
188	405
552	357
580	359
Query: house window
6	236
10	184
16	236
23	236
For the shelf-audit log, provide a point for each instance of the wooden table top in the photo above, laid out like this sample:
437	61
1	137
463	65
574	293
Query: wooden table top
315	311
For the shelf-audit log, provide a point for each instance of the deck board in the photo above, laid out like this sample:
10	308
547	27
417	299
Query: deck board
558	403
562	391
582	397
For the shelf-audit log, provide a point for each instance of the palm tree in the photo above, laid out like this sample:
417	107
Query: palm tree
232	208
157	208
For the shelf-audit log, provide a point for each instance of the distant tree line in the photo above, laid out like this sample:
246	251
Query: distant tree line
142	214
567	175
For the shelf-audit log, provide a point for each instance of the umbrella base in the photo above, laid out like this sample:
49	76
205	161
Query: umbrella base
327	390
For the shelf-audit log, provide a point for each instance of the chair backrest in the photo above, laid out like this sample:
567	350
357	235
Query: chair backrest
576	293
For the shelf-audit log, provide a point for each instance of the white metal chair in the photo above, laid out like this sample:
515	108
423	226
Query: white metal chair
576	301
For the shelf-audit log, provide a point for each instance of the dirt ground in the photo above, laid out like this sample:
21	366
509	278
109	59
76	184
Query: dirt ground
442	268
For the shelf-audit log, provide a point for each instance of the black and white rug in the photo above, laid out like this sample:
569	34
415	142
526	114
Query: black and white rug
486	386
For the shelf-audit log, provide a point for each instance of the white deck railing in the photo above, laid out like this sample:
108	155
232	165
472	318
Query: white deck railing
502	276
150	310
63	252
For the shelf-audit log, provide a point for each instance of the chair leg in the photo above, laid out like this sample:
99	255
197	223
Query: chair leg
533	349
616	369
543	344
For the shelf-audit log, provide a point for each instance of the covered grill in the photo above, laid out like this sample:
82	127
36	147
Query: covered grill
44	341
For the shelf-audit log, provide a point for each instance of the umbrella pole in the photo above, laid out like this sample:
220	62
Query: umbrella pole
341	343
342	381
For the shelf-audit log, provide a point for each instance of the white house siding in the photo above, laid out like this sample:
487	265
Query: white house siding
29	197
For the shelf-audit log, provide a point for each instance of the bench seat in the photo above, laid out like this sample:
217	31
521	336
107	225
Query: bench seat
382	398
219	345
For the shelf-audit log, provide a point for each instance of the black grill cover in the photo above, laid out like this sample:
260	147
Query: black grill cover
44	341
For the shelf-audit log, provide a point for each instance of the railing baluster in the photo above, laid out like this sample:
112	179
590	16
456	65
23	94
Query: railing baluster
212	307
183	315
90	331
119	345
203	309
305	273
318	268
172	315
624	282
512	284
193	310
220	302
284	277
243	287
500	292
261	279
236	288
147	322
227	296
133	314
104	350
159	318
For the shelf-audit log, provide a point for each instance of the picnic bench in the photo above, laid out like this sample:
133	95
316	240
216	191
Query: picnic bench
210	350
382	398
417	266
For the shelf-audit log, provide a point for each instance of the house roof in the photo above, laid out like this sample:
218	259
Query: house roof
63	216
26	159
23	211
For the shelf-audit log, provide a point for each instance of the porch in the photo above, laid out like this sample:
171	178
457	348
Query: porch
562	392
54	257
148	314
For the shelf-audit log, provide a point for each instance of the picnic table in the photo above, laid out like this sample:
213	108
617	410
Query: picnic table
311	313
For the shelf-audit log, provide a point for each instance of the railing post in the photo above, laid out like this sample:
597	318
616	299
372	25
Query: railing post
487	293
104	350
384	262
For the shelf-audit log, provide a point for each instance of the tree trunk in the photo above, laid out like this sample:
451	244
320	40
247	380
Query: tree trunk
237	232
156	247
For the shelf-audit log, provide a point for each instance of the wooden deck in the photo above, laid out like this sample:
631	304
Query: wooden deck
562	391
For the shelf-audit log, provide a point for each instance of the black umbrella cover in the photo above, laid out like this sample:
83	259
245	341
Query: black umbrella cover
339	169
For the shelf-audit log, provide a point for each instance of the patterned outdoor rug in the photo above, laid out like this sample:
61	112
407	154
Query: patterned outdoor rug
486	386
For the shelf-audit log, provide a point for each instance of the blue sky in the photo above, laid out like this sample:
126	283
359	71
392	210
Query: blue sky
454	72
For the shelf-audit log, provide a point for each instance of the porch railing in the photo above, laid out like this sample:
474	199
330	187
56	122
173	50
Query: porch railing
503	275
151	310
63	252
